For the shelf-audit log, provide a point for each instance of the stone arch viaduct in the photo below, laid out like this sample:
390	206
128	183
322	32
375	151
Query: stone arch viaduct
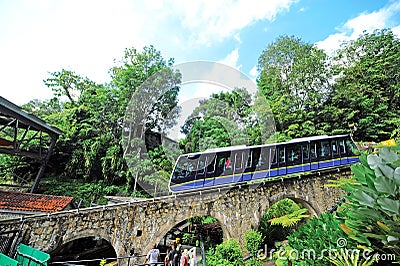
139	225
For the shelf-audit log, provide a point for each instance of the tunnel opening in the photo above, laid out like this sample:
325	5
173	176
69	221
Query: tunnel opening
196	235
88	251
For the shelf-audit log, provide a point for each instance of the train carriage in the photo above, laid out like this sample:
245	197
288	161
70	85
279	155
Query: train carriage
232	165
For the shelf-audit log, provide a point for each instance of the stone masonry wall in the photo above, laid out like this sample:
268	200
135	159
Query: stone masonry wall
140	225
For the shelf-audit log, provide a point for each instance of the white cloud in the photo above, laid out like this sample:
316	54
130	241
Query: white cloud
368	22
211	21
253	73
43	36
232	59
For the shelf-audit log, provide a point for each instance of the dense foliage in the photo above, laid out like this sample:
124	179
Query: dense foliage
357	91
372	216
280	220
366	94
318	235
230	252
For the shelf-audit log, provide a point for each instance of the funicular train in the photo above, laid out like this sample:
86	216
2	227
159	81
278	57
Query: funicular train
241	164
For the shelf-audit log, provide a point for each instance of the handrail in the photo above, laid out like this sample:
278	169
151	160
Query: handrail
165	198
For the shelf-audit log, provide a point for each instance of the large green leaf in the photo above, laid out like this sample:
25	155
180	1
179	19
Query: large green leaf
388	155
389	206
363	198
359	173
363	213
379	166
385	185
386	170
396	176
374	161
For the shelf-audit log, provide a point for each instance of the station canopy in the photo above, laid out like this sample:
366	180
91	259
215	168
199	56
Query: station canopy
26	135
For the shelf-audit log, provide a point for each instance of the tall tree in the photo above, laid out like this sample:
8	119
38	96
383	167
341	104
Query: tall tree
294	79
218	121
366	94
92	115
149	87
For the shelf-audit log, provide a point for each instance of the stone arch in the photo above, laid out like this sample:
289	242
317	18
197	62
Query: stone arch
98	246
85	233
306	201
302	198
165	229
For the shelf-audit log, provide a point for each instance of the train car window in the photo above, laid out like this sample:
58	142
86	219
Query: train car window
264	161
201	166
305	151
224	162
294	153
342	147
238	160
211	161
335	149
255	153
249	161
313	150
282	157
325	149
273	155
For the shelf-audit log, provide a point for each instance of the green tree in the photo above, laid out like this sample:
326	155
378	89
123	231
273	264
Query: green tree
294	78
92	116
366	94
228	119
218	121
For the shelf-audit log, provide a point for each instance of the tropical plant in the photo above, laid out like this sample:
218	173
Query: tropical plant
226	254
346	257
252	241
318	235
372	214
280	220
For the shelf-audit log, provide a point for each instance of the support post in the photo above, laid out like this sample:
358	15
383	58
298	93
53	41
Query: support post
44	164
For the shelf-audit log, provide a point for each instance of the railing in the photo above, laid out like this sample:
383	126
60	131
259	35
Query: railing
203	191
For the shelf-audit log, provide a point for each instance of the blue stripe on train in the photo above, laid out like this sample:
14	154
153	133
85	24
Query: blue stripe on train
263	174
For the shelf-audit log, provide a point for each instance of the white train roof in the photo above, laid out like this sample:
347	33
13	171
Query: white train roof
244	147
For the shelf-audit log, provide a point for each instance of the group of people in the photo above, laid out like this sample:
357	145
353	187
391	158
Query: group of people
174	256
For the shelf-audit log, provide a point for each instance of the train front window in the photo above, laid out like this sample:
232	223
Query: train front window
352	148
185	168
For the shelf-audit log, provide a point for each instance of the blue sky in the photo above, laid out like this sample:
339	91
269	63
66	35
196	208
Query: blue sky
41	36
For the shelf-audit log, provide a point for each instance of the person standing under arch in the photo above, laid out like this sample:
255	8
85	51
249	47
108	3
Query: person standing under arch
153	256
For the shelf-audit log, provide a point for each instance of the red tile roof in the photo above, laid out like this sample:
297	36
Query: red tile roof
17	201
